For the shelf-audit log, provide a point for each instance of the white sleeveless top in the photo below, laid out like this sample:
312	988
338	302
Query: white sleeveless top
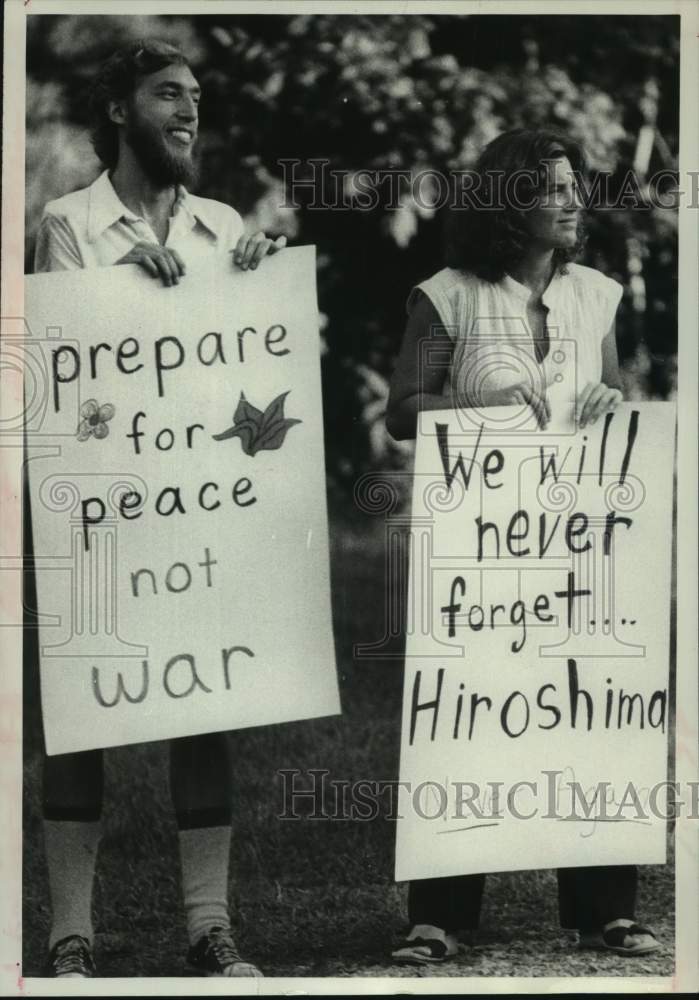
494	347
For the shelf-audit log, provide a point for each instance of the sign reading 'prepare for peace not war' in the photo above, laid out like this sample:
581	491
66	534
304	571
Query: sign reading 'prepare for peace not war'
178	502
535	712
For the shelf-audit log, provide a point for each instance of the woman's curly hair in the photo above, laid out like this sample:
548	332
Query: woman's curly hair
486	231
117	80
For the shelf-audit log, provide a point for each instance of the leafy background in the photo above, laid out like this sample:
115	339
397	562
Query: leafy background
364	92
390	92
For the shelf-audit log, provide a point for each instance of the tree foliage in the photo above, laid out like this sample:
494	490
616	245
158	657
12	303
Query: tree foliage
391	93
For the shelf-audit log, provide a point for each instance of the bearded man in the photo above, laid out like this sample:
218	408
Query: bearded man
144	106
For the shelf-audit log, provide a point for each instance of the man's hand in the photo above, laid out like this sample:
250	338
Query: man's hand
250	250
518	395
596	399
160	262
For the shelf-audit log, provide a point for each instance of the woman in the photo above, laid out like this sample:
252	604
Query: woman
511	273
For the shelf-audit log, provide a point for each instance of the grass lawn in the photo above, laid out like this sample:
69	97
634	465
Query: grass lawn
311	897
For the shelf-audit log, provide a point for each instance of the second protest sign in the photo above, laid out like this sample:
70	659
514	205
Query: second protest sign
535	711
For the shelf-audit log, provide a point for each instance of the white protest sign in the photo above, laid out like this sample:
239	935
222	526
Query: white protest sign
177	484
535	711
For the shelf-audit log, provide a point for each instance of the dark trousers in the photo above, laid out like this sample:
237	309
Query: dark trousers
588	898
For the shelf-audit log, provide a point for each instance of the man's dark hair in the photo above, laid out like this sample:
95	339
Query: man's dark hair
486	231
117	80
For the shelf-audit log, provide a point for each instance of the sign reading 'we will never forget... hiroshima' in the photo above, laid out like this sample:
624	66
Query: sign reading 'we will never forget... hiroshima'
536	704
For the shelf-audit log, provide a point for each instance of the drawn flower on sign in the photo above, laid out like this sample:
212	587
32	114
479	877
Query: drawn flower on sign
258	430
93	420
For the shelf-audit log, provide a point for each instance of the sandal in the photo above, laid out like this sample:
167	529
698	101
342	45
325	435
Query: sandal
625	937
425	945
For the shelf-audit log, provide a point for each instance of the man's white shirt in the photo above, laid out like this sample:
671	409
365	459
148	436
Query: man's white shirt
93	228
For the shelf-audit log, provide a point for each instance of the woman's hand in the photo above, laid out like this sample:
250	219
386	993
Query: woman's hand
250	250
596	399
518	395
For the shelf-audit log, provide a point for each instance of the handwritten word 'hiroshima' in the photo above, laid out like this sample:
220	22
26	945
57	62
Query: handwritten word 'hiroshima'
447	711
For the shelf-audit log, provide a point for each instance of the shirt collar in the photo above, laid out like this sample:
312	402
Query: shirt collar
523	293
201	209
105	208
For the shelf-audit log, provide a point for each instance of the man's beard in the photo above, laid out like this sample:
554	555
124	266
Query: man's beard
160	164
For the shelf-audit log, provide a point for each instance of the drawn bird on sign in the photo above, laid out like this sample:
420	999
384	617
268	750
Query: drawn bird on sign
258	430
